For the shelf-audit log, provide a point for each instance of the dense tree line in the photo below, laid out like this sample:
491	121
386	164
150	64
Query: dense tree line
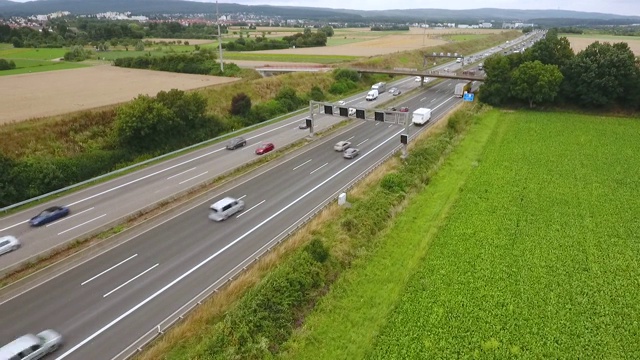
143	127
82	31
601	76
304	39
201	62
389	27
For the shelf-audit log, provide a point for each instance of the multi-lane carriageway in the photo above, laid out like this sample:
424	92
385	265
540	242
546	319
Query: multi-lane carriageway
106	303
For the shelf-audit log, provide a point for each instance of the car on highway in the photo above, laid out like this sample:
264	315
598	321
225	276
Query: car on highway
350	153
236	143
396	92
303	125
341	103
29	347
48	215
224	208
392	90
8	243
265	148
404	109
341	146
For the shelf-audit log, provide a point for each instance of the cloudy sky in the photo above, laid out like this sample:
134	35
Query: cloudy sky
621	7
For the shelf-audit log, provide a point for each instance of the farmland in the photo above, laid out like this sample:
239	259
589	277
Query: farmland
580	42
536	257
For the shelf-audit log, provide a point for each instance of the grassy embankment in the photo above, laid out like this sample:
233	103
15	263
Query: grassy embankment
537	258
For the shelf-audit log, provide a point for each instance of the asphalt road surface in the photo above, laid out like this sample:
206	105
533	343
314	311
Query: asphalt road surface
106	303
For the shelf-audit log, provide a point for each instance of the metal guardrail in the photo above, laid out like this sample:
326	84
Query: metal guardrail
133	166
184	310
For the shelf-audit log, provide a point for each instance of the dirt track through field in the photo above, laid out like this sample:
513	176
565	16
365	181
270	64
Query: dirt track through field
51	93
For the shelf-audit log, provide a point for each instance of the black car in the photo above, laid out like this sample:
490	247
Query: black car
48	215
236	143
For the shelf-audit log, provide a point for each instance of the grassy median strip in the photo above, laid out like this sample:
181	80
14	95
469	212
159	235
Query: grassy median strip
257	313
539	256
347	320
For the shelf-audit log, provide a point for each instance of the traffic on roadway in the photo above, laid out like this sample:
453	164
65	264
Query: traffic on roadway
106	303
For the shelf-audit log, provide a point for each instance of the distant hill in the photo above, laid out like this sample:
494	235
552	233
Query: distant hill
152	7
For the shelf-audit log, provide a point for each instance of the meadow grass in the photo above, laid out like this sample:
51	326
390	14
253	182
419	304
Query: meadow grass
9	52
346	321
464	37
34	66
539	256
304	58
604	37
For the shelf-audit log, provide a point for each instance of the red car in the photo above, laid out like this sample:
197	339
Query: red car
264	148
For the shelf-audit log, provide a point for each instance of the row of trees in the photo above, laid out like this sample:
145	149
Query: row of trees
304	39
65	32
601	76
201	62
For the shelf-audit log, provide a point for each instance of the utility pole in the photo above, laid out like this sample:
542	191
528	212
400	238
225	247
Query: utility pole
219	38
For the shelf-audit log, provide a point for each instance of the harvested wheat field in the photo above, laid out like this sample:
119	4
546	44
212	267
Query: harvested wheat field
51	93
579	43
375	44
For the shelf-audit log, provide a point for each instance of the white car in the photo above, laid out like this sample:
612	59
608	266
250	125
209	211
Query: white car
392	90
418	79
341	103
8	244
342	146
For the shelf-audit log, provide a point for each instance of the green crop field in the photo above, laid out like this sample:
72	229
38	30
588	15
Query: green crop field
320	59
524	246
539	258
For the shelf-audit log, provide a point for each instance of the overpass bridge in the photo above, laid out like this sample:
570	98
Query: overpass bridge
269	70
461	75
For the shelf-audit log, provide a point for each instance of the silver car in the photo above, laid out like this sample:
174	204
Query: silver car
8	244
31	347
341	146
350	153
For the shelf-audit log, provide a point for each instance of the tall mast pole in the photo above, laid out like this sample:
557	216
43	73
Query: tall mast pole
219	38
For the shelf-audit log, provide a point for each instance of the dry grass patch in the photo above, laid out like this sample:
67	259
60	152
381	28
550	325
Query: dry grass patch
579	43
46	94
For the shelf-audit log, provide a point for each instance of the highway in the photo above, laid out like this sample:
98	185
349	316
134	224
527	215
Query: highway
106	303
104	204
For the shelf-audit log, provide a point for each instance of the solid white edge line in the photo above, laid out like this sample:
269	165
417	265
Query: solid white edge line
214	255
251	208
109	269
69	217
130	280
84	223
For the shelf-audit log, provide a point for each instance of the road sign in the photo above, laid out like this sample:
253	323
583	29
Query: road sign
468	97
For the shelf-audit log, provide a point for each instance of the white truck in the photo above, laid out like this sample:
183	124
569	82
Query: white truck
381	87
372	95
462	88
421	116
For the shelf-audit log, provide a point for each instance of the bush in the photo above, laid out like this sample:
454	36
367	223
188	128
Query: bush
240	104
7	64
346	74
316	94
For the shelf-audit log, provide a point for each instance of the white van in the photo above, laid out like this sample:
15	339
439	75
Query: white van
421	116
224	208
372	95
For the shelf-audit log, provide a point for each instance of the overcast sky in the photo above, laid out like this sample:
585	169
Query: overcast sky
621	7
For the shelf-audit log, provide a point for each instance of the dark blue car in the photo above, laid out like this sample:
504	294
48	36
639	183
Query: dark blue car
48	215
